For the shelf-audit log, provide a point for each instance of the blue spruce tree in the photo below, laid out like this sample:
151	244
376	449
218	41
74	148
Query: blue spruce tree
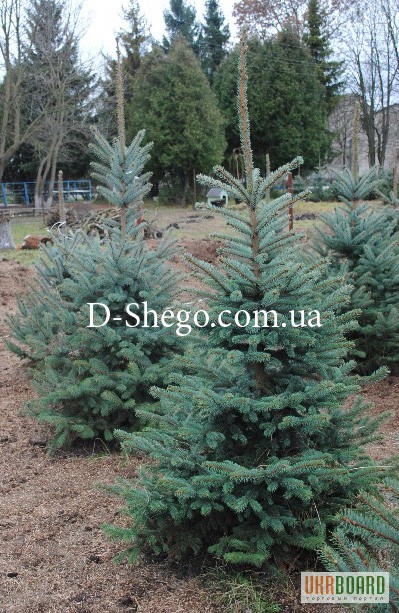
90	379
251	464
367	540
362	244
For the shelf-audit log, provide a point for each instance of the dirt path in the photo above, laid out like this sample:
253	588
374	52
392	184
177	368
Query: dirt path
54	555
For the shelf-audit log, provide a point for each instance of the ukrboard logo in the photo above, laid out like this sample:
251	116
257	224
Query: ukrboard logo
317	588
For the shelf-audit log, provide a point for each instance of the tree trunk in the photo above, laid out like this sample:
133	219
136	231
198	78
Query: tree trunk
43	181
50	195
38	190
41	178
6	240
2	167
186	189
371	145
382	136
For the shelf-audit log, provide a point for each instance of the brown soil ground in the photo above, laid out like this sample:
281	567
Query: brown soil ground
54	556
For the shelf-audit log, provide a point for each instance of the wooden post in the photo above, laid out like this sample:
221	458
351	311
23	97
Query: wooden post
237	158
42	198
290	186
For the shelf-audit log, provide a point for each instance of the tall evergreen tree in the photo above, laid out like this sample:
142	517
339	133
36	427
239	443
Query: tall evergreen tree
214	38
252	470
134	37
105	100
286	96
317	41
181	20
173	101
135	40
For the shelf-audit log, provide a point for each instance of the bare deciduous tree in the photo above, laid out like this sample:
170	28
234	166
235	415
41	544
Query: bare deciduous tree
370	48
14	129
61	86
341	125
263	17
266	17
11	131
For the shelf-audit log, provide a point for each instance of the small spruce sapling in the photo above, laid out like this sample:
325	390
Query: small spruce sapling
362	244
253	468
89	380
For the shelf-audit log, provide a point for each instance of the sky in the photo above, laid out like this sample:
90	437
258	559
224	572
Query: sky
103	20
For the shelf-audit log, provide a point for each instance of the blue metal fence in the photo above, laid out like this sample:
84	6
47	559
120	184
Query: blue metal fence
22	194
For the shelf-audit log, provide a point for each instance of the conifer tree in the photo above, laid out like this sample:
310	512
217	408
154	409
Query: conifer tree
251	467
363	245
134	37
286	96
90	379
181	20
364	532
135	40
173	101
214	38
316	39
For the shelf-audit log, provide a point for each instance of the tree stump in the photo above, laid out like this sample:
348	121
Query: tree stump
6	240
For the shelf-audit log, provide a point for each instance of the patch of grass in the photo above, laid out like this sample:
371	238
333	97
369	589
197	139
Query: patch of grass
314	207
306	226
19	229
235	592
26	258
